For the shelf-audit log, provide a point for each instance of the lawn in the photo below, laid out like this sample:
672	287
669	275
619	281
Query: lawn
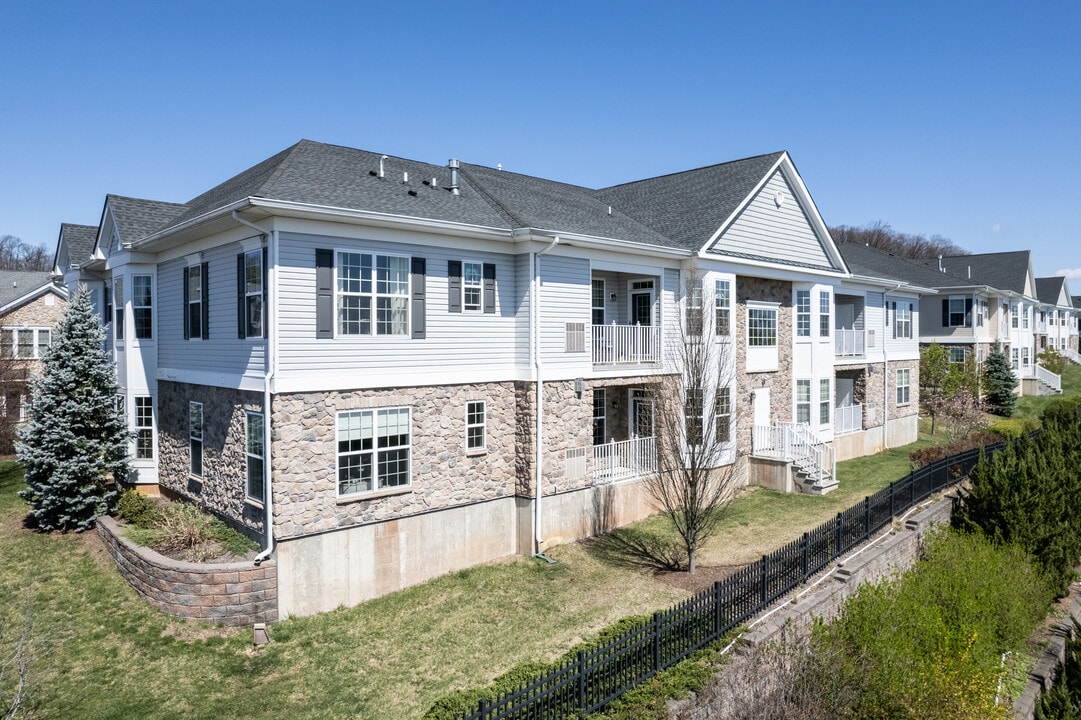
107	654
1033	405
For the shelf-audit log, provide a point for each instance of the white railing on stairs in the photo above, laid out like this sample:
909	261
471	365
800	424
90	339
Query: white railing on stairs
1049	378
796	442
1071	355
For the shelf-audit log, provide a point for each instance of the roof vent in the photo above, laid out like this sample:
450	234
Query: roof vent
969	272
940	268
405	178
499	167
453	165
382	169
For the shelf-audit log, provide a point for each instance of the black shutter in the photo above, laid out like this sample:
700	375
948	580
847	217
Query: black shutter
489	288
968	312
187	326
454	286
893	308
241	287
324	294
945	312
205	304
418	269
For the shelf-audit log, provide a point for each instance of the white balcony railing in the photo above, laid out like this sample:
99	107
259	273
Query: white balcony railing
797	443
626	344
849	343
1049	378
624	460
848	419
1071	355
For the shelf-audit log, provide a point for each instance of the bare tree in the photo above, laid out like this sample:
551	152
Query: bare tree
15	663
883	237
18	255
14	388
694	417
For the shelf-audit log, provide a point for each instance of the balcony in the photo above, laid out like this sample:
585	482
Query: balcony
849	343
624	460
848	419
626	345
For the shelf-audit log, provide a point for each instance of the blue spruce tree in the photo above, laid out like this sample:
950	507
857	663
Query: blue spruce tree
76	442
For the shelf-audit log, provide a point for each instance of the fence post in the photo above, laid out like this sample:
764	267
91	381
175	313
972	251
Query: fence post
656	642
763	578
582	680
482	710
867	517
838	532
716	609
806	555
892	513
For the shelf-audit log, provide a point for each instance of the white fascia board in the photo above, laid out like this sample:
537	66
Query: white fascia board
771	271
599	243
253	383
30	296
883	282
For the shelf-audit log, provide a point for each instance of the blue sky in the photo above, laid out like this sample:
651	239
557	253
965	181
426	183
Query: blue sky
955	118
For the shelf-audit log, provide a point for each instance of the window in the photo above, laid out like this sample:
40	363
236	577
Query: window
957	355
803	401
1024	318
1014	355
824	313
144	428
142	306
724	414
470	286
694	310
254	451
956	312
373	450
824	401
27	343
803	313
600	416
118	299
692	411
195	437
475	425
761	327
251	294
358	292
196	302
981	313
1014	310
903	376
598	302
107	315
902	320
722	302
1024	357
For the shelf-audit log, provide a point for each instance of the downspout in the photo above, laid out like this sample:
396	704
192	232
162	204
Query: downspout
538	468
270	365
886	374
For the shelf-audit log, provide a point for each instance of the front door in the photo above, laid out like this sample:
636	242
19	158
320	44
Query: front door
846	317
641	414
845	392
641	308
761	407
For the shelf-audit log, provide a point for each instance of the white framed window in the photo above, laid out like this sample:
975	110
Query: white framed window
902	320
26	343
762	327
107	306
373	294
1024	318
600	416
803	401
1024	357
142	306
957	355
803	313
824	401
694	310
692	414
118	299
253	451
195	438
1014	315
196	281
597	296
723	410
903	377
722	305
252	292
1015	358
144	427
824	313
374	449
472	286
475	424
957	314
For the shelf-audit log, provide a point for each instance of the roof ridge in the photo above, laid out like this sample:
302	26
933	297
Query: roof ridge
286	161
692	170
491	199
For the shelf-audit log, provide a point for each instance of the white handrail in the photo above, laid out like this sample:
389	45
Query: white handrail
1049	378
624	460
626	344
848	418
849	343
796	442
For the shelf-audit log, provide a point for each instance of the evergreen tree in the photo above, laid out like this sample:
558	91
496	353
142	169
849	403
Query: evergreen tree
999	382
76	441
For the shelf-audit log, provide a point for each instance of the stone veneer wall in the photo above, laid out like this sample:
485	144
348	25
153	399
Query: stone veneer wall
444	473
223	487
233	594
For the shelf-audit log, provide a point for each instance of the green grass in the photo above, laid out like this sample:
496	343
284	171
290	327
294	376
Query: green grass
1033	405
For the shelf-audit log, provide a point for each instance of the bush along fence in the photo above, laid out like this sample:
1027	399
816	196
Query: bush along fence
592	679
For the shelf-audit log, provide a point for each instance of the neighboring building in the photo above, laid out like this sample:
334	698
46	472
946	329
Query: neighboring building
1057	323
386	370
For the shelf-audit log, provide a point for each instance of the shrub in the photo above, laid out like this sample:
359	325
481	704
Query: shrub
138	509
1061	409
1013	428
930	455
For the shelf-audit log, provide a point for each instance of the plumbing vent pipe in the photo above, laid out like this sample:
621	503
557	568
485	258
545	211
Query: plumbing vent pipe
453	165
940	268
382	169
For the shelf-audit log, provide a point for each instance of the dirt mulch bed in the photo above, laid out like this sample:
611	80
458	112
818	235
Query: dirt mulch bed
703	577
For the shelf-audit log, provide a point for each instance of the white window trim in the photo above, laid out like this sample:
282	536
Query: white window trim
762	358
135	308
258	251
907	386
825	403
592	300
600	393
827	316
248	455
725	307
376	491
139	428
479	286
201	440
799	314
374	295
808	402
483	425
12	351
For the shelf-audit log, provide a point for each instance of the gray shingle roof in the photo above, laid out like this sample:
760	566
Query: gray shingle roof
136	218
688	207
1003	270
1048	289
869	261
14	284
341	177
79	240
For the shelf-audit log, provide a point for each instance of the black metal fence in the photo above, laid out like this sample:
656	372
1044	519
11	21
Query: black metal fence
594	678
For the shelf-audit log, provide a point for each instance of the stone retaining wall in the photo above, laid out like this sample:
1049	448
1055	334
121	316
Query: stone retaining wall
233	594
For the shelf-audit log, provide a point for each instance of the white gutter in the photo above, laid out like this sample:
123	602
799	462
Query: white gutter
270	362
538	467
886	374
